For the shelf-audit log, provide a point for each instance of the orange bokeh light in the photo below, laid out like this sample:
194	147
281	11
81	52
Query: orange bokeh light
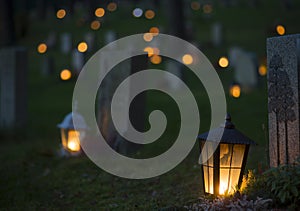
280	29
82	47
154	31
195	5
65	74
148	37
60	14
42	48
112	6
262	70
99	12
187	59
95	25
223	62
156	59
149	14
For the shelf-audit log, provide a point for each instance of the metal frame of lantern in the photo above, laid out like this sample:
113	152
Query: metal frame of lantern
223	171
71	137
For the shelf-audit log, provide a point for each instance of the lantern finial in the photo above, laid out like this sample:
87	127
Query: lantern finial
228	123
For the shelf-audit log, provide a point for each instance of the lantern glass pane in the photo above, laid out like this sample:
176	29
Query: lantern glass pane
207	154
224	177
226	151
63	138
73	140
234	179
238	155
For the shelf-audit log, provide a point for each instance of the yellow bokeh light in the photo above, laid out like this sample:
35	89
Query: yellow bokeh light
61	13
195	5
280	29
82	47
95	25
187	59
99	12
154	31
156	59
207	8
223	62
42	48
262	70
148	37
149	50
235	91
65	74
149	14
112	6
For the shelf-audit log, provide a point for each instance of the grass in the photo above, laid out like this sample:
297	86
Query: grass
32	177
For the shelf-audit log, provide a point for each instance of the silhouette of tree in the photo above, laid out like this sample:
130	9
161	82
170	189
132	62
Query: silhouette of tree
281	97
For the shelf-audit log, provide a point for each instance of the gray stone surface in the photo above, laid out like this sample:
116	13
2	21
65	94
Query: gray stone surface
106	91
13	88
245	68
66	43
77	61
283	98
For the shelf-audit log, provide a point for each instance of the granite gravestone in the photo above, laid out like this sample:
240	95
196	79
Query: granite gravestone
283	98
106	92
77	61
13	99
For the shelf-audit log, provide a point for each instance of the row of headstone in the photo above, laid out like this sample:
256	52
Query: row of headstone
13	88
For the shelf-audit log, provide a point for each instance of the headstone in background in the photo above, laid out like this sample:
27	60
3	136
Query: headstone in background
174	68
109	37
66	43
245	68
47	66
13	87
283	58
77	61
106	91
216	34
233	54
51	40
90	38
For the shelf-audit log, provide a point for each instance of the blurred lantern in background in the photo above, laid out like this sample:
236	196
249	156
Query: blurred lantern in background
222	169
71	137
280	29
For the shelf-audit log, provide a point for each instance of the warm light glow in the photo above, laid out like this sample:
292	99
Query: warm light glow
195	5
149	14
95	25
262	70
99	12
223	62
42	48
207	8
280	29
187	59
235	91
149	50
223	186
154	31
112	6
156	51
61	13
156	59
137	12
65	74
148	37
73	141
82	47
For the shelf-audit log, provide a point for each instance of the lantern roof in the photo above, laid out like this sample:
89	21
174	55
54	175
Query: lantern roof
67	123
230	134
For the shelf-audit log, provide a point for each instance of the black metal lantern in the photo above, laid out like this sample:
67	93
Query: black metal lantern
70	136
222	169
